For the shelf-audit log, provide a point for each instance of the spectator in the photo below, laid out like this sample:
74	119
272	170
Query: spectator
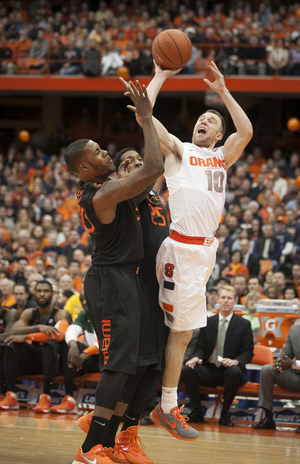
38	52
91	67
23	44
278	278
82	356
291	294
23	301
71	56
293	68
278	58
250	308
240	282
268	247
249	259
111	60
6	287
253	59
273	292
145	59
7	56
212	299
24	358
74	244
285	239
295	204
235	266
55	55
280	185
19	277
225	238
219	359
284	374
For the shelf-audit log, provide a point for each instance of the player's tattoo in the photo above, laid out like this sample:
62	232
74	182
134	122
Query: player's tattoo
109	188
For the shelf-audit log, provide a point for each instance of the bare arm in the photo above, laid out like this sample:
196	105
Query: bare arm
113	192
22	327
170	145
236	143
11	317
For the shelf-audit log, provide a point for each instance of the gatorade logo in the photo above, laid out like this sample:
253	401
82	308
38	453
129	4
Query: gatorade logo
271	325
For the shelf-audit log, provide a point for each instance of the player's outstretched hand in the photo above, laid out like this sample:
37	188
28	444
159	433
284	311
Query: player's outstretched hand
138	94
166	73
219	83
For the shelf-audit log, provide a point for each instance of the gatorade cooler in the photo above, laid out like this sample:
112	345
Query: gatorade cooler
275	318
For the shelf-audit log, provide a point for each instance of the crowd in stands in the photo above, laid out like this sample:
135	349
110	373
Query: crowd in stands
72	37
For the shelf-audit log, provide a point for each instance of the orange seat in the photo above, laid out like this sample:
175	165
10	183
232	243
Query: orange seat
265	265
262	355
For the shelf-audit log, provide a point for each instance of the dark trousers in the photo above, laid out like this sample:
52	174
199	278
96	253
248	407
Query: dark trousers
209	375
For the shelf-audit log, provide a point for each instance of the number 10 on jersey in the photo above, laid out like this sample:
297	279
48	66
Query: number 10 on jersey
215	181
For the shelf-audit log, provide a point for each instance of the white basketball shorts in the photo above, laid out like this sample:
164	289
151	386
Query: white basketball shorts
182	272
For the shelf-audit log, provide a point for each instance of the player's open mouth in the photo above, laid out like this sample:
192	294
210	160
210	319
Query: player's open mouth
201	131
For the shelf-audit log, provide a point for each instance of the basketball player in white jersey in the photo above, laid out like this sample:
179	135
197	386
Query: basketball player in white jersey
196	176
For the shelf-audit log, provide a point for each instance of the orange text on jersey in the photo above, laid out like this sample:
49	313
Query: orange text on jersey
207	162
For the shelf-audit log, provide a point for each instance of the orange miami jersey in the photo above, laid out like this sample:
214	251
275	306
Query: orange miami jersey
197	191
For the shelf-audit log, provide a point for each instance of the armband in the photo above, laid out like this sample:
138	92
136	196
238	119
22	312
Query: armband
94	349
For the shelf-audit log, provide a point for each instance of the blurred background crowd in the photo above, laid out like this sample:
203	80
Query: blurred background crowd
72	37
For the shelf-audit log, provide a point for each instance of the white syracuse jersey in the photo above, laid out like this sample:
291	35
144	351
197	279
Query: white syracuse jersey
197	191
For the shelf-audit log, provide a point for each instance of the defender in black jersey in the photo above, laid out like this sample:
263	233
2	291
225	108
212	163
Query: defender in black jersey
114	291
7	318
21	357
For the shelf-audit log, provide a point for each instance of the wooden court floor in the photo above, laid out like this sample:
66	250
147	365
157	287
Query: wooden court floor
28	438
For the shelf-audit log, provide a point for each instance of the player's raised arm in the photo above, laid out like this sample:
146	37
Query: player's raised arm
236	142
113	192
169	143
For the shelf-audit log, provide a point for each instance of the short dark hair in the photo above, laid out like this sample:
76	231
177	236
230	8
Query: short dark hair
117	159
223	124
73	153
44	282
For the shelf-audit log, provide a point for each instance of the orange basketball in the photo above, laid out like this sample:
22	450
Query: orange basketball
171	49
297	181
24	135
298	12
293	124
123	71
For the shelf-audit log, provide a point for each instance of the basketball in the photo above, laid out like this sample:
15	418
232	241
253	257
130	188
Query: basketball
293	124
171	49
24	135
297	181
298	13
123	71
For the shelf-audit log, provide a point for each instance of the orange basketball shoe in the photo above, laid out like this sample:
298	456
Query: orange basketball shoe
131	446
116	456
84	422
95	456
174	422
44	404
67	406
10	401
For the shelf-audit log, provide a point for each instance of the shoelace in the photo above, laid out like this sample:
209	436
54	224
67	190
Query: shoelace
137	443
181	419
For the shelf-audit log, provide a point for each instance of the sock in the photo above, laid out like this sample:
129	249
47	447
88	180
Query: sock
269	414
96	433
48	386
69	388
168	399
130	421
109	439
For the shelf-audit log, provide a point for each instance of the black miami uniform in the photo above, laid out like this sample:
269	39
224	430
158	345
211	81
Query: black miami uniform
115	294
37	357
155	229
